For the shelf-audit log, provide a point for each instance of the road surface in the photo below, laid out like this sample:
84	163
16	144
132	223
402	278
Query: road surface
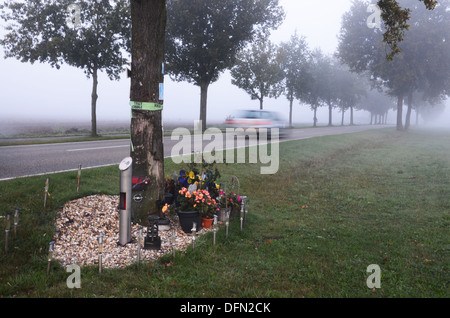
31	160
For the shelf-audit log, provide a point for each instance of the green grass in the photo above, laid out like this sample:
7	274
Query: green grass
337	205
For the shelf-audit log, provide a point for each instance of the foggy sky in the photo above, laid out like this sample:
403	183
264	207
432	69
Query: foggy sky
39	91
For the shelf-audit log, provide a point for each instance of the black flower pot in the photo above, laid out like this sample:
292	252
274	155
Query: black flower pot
187	219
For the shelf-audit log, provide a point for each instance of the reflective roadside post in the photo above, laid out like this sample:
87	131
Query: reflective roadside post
16	221
78	178
244	202
100	253
194	233
215	229
50	255
7	229
46	193
242	215
138	257
227	223
125	168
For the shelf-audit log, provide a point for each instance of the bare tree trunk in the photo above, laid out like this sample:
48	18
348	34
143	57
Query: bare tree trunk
148	38
417	115
203	103
330	115
291	102
400	112
94	98
408	113
342	119
351	116
315	116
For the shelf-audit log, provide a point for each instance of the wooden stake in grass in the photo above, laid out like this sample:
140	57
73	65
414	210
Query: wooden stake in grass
16	221
46	193
227	222
215	229
242	215
194	232
78	179
244	201
100	253
50	255
8	227
139	246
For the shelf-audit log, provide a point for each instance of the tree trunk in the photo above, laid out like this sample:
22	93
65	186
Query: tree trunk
94	98
342	119
261	103
203	103
400	112
408	113
330	115
315	116
417	115
291	102
147	151
351	116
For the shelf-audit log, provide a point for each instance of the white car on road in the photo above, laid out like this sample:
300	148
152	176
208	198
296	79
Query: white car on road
257	119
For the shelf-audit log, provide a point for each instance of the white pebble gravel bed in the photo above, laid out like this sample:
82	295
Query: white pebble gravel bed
81	221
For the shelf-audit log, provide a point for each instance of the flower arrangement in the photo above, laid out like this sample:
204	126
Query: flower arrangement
202	173
198	200
230	199
166	210
205	180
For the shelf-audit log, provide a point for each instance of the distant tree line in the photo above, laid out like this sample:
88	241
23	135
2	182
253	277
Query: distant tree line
266	70
419	72
407	58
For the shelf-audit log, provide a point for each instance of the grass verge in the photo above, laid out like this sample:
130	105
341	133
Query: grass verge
337	205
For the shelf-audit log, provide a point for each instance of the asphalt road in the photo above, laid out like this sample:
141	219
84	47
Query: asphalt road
30	160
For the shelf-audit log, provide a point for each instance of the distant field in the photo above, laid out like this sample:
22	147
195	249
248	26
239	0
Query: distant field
16	128
34	129
40	128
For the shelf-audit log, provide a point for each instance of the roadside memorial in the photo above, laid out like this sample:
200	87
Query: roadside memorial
89	230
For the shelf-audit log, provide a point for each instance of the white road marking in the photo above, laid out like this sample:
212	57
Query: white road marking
96	148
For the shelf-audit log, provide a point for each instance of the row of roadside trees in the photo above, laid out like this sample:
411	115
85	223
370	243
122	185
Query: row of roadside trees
266	70
419	72
205	38
365	73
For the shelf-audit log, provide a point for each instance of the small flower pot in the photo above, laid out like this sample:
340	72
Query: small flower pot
235	211
222	215
206	223
187	219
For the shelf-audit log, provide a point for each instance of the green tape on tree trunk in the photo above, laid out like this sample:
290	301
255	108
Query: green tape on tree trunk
146	106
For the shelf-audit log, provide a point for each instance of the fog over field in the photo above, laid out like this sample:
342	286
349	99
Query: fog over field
37	97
